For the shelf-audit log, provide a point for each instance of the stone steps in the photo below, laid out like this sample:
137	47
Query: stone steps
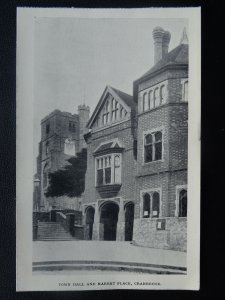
53	231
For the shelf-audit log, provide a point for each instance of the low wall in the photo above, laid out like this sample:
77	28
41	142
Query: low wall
173	235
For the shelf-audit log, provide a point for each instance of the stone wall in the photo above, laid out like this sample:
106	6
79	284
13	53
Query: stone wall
173	237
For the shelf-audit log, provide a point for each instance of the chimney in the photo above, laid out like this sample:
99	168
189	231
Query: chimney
161	43
165	43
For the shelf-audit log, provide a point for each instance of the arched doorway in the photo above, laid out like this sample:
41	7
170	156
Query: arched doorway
90	213
109	218
129	221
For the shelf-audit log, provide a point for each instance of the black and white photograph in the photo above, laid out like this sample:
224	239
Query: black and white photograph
108	149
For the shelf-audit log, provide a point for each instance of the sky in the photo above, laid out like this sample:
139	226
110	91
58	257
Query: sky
75	58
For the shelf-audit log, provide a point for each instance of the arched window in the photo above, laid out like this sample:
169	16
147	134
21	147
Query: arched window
156	97
146	206
69	147
47	148
117	169
183	203
45	175
185	93
155	205
153	146
162	94
145	102
151	99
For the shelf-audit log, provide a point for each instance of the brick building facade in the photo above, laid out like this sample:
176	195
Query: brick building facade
136	179
61	138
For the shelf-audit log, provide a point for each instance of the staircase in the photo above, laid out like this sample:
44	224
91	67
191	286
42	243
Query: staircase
53	231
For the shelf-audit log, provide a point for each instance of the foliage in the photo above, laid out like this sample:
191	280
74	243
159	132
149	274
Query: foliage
70	180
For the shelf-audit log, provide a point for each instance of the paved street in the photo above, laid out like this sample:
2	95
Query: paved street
100	252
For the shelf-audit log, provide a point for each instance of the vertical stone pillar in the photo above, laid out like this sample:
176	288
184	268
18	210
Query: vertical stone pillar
120	232
96	224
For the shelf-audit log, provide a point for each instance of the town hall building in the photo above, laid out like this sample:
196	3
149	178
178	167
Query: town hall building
137	146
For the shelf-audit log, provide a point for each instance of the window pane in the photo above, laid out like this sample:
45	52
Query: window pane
151	98
158	150
108	175
155	205
158	136
117	172
98	163
100	177
145	102
146	206
148	153
163	94
117	160
186	91
156	96
148	139
183	203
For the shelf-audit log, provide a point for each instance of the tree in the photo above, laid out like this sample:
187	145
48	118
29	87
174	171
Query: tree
70	180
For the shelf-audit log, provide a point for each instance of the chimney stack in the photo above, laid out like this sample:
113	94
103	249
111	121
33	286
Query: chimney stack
161	43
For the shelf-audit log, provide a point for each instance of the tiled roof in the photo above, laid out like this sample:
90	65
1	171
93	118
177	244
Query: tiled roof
178	56
128	99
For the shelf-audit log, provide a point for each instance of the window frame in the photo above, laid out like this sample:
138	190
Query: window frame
150	191
145	133
179	188
183	82
112	157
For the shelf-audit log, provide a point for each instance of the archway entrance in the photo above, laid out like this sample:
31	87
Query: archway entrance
129	221
90	213
109	218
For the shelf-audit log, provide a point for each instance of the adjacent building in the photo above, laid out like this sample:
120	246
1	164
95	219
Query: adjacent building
136	179
62	136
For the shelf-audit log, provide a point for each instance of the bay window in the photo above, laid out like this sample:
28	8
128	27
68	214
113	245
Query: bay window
108	169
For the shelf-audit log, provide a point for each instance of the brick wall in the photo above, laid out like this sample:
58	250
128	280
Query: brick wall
123	132
174	236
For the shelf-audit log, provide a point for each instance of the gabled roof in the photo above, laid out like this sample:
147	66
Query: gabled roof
177	56
129	104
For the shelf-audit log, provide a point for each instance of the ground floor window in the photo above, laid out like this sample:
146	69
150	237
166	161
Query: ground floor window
151	204
182	203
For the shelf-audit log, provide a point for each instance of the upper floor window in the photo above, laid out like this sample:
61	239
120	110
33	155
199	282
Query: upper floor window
162	94
47	128
156	97
72	126
153	146
145	102
105	116
108	169
47	148
151	205
115	110
151	99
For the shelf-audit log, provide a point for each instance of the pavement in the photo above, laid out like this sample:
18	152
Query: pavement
105	255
